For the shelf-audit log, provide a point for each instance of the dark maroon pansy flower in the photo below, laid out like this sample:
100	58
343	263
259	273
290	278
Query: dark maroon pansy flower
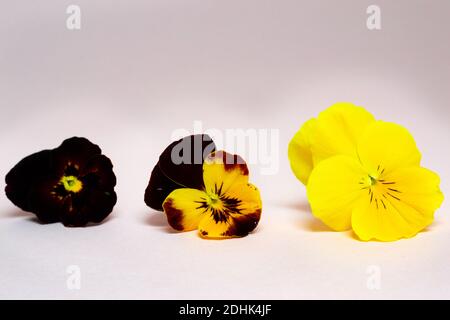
73	184
179	166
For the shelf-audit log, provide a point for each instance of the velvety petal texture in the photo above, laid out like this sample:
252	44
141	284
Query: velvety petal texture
73	184
180	165
227	206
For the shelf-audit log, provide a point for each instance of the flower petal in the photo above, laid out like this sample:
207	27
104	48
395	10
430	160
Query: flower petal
421	188
182	161
385	147
221	170
333	190
158	188
184	209
180	165
74	151
407	207
21	179
382	223
240	219
299	151
337	130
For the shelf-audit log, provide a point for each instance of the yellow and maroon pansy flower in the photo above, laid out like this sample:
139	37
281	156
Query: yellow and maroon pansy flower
228	205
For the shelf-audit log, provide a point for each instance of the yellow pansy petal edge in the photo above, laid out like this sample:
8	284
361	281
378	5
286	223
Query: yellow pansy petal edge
229	206
335	131
383	193
299	152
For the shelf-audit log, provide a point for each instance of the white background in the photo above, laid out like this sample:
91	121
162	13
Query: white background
138	70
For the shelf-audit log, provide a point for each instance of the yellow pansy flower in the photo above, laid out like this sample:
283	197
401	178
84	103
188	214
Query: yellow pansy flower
228	206
335	131
380	191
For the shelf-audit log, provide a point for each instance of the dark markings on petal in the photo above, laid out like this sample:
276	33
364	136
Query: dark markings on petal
202	205
218	190
204	233
388	182
393	196
376	202
244	224
383	203
219	216
231	161
395	190
174	215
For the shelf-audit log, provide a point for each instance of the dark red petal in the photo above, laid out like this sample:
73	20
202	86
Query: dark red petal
159	187
21	179
180	165
100	169
182	161
91	205
74	151
45	203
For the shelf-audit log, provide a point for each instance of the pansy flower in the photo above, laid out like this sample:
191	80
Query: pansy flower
383	193
227	206
364	174
73	184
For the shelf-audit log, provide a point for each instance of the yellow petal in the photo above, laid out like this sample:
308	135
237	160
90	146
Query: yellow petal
338	129
403	204
299	151
221	170
333	189
185	208
419	188
237	216
386	146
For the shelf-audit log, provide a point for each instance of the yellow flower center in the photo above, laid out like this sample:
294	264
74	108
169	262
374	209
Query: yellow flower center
214	202
71	184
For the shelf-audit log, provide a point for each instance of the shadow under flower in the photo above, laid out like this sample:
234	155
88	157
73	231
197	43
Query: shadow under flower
30	217
14	213
158	219
315	225
309	223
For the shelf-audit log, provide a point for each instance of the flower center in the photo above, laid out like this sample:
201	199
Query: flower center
71	184
380	191
213	201
219	205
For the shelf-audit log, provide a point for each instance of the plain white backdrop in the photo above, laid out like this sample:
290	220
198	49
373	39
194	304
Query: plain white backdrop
137	71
